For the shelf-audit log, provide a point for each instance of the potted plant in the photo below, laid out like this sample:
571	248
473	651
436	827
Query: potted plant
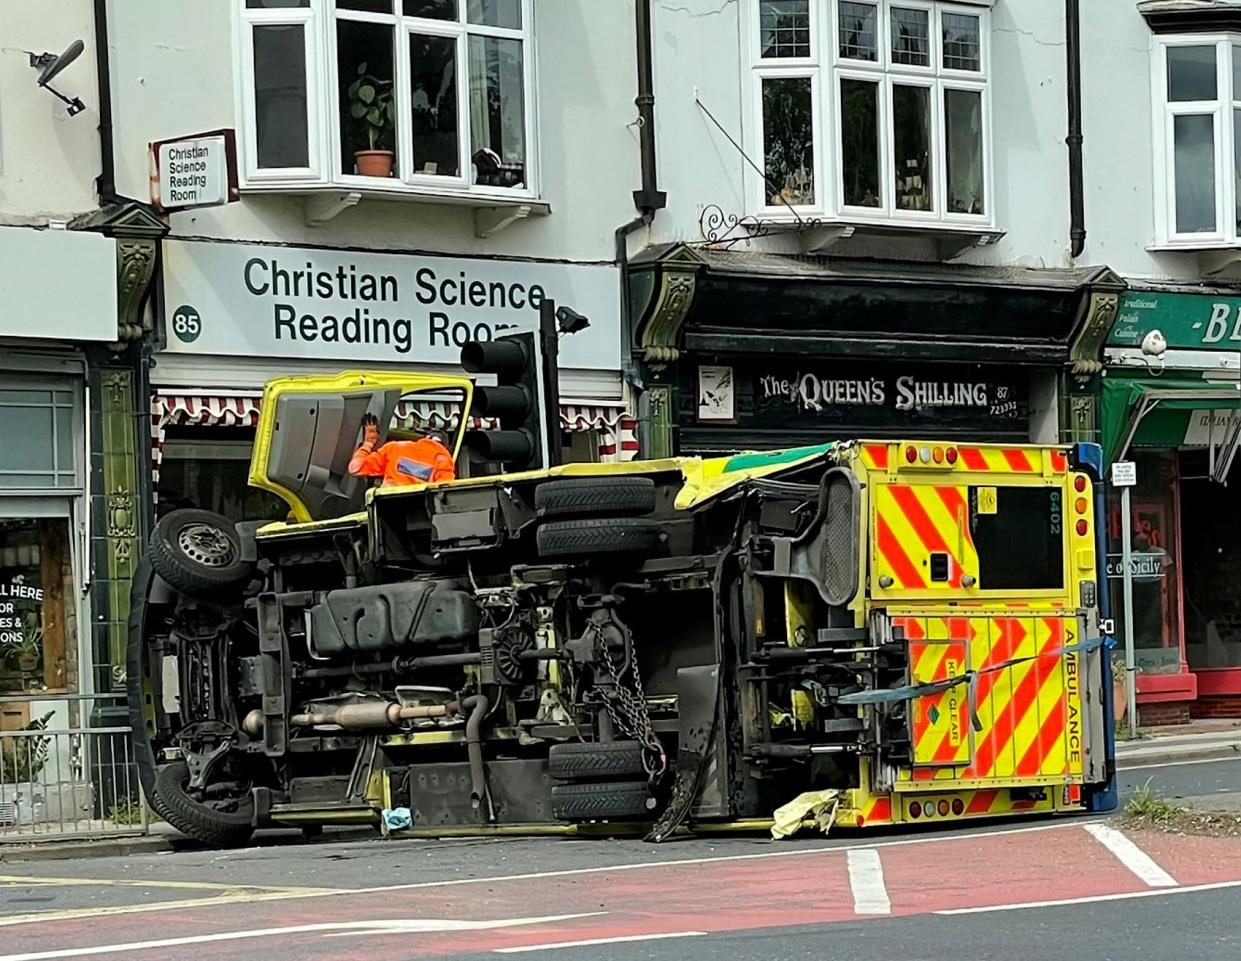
1120	689
373	109
29	648
22	758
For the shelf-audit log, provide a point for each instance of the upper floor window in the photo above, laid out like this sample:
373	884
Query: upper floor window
1198	139
396	94
875	109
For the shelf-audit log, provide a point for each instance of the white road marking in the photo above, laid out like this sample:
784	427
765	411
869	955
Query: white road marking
1093	898
870	894
1205	760
1131	856
593	941
77	913
395	926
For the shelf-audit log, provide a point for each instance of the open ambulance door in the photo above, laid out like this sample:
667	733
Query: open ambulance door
309	428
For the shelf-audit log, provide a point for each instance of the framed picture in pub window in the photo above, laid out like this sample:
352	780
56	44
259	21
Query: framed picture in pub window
717	400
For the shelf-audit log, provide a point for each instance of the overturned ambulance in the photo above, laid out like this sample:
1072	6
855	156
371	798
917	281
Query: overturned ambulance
909	629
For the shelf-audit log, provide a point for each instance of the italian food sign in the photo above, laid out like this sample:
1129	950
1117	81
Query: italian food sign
347	306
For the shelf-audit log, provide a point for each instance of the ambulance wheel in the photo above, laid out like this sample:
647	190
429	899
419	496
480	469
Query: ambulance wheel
198	552
221	822
611	761
609	801
592	537
595	496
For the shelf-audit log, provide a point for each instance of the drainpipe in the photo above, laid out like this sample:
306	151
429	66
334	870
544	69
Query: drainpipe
105	183
1077	200
648	198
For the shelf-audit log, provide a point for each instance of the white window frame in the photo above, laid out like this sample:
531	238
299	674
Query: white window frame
325	168
826	66
1226	233
246	21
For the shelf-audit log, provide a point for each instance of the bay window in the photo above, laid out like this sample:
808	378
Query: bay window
1198	140
395	95
871	109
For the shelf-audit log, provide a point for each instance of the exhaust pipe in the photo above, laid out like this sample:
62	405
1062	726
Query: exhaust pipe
477	705
380	715
386	715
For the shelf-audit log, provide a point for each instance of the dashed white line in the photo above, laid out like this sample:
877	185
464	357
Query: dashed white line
394	926
556	945
1131	856
870	894
1095	898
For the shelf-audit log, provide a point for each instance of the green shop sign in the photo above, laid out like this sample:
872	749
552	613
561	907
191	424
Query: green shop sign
1187	321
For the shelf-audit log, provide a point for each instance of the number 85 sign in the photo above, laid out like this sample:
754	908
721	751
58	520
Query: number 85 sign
186	324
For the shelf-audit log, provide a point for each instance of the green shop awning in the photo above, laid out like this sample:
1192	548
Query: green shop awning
1166	412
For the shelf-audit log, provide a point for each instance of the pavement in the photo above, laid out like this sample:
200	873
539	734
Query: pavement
1200	740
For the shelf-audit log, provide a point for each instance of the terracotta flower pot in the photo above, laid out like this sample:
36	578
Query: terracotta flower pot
374	163
1120	700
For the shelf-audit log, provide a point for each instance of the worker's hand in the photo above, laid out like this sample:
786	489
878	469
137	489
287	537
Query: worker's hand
370	431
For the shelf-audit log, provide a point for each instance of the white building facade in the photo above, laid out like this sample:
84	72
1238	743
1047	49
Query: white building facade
409	175
999	219
66	460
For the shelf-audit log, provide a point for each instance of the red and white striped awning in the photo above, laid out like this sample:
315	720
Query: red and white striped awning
240	408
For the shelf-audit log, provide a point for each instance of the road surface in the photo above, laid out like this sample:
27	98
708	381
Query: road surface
1080	888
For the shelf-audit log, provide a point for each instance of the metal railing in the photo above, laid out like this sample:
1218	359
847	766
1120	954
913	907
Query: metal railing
64	776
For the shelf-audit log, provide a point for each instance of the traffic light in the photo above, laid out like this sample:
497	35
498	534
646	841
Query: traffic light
516	402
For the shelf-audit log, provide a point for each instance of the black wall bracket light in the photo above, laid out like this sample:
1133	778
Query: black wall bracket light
50	65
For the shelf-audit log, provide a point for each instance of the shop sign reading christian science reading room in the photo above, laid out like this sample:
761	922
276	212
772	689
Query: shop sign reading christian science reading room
193	173
346	306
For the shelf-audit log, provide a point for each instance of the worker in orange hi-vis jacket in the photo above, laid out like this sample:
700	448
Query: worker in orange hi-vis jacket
405	463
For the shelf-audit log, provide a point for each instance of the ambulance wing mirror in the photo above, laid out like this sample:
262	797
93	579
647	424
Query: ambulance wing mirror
828	552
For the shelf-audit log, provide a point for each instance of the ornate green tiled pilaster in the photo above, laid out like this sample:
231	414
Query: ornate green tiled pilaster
657	347
120	528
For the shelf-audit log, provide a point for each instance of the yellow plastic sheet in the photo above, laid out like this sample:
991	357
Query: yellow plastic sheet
820	805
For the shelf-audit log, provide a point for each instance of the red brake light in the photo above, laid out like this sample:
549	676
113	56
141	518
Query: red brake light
952	455
915	809
1079	483
958	806
911	455
1082	527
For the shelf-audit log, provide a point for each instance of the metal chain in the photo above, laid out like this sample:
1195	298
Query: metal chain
635	721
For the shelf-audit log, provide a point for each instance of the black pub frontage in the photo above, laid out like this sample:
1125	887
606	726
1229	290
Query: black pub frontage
737	350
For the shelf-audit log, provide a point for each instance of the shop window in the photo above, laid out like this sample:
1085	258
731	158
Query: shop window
1197	140
38	624
903	86
38	438
209	468
1211	554
405	95
1153	532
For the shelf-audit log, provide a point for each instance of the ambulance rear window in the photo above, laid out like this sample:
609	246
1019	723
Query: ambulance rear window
1019	535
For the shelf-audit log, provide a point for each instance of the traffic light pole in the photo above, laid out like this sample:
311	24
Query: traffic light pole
549	351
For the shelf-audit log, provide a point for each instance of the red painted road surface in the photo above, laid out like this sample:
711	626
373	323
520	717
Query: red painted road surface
779	887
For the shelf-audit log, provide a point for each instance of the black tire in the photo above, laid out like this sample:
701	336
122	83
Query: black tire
613	761
591	537
136	688
198	553
609	801
595	496
212	826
